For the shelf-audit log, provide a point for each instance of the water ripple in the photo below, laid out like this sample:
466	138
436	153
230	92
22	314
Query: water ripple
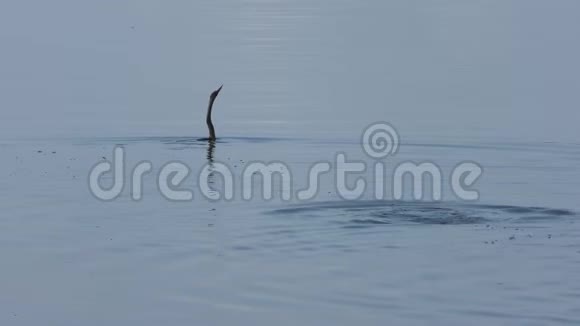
372	213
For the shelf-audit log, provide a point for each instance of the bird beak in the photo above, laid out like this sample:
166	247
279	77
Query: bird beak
215	93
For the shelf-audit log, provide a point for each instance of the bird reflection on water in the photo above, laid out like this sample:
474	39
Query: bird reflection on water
210	160
210	152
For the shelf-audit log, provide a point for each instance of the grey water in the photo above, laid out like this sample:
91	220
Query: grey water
477	81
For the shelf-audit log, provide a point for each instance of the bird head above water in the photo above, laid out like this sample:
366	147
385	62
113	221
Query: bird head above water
215	93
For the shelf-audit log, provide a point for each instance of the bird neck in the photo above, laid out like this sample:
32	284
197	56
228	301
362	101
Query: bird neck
208	120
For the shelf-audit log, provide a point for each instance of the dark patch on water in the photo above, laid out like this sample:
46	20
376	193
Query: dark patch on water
358	214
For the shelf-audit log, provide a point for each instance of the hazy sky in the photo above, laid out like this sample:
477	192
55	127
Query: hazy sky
479	67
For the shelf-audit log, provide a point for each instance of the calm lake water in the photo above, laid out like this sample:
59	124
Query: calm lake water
302	81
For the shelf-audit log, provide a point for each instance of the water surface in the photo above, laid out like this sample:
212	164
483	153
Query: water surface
494	82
